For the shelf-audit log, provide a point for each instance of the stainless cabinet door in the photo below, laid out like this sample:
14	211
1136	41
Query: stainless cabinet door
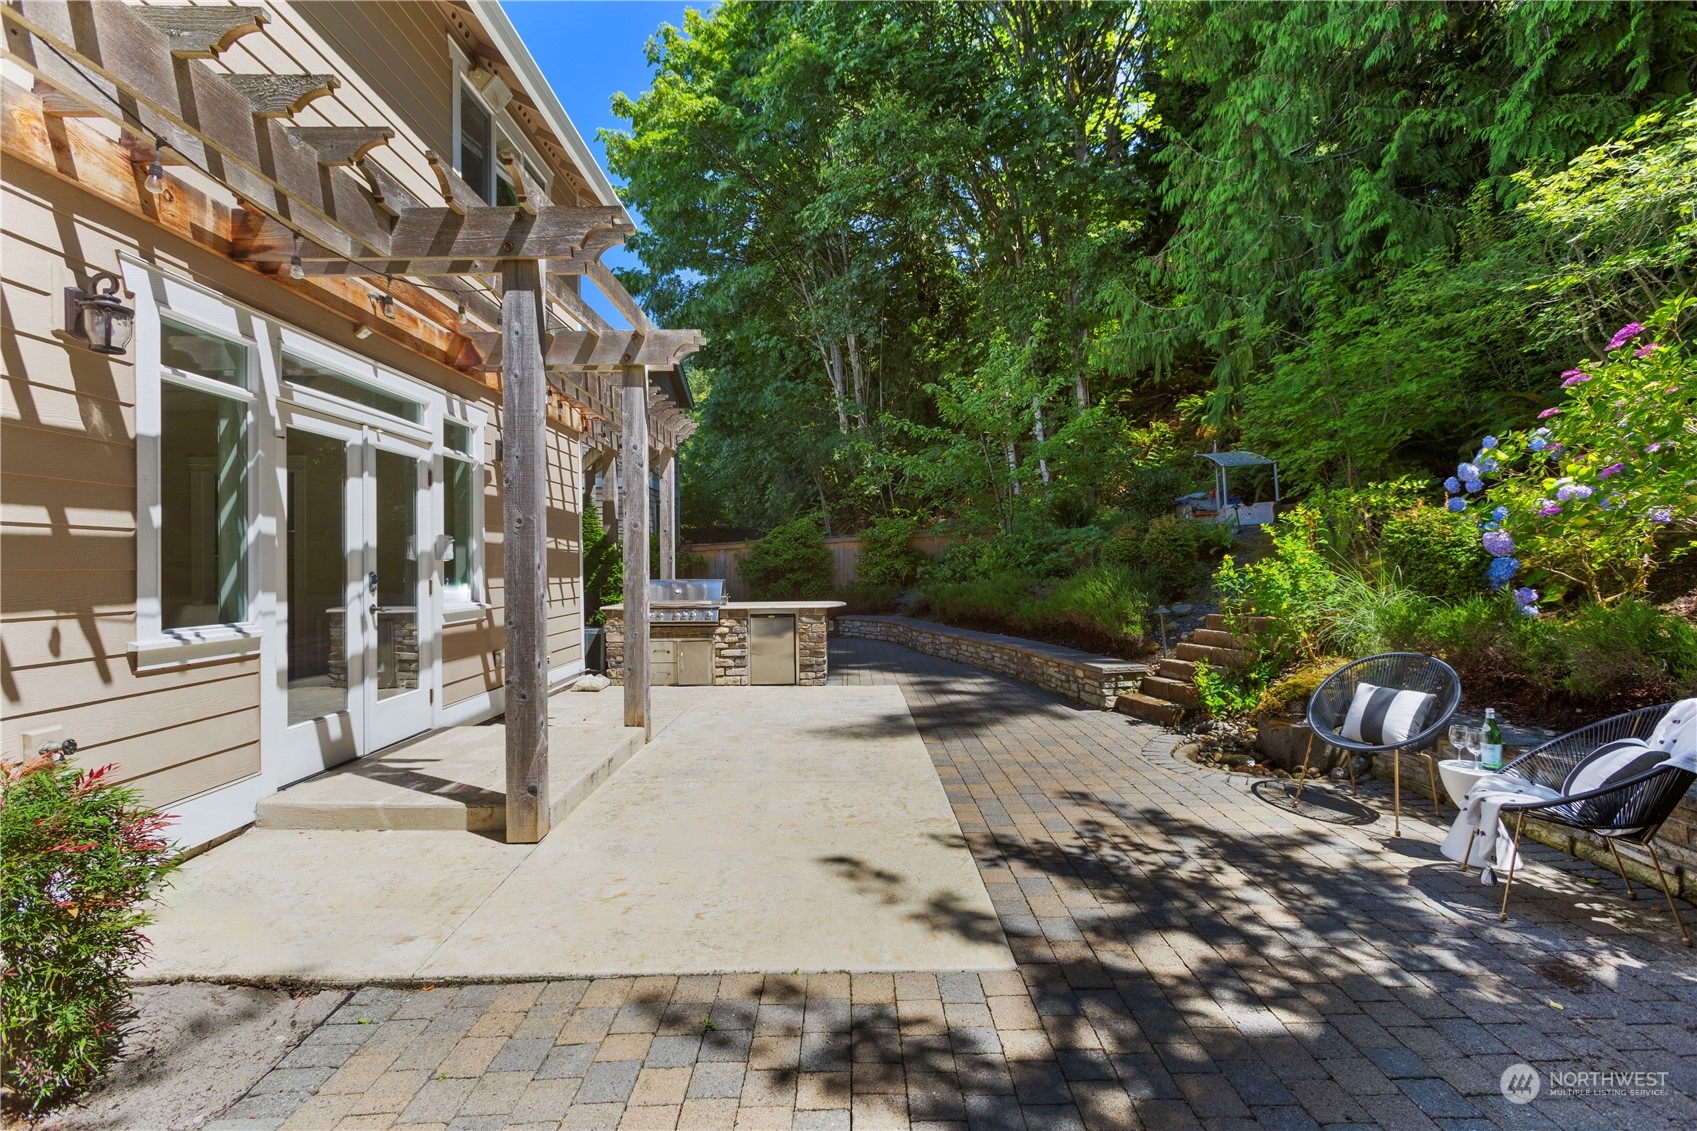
771	648
695	663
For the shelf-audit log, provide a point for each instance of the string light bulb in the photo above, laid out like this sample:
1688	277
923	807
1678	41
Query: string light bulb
155	183
388	299
465	319
296	271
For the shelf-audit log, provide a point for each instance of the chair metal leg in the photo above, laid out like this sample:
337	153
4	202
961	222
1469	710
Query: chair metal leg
1396	790
1302	778
1684	934
1432	773
1621	868
1468	855
1349	760
1513	859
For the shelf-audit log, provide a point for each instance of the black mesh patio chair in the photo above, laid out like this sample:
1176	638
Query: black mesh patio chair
1631	810
1402	671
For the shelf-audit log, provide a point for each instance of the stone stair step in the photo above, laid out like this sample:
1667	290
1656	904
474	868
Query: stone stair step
1149	709
1182	670
1218	638
1219	622
1219	657
1172	690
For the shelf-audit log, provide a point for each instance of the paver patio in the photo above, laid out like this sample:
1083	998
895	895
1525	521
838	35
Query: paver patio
1189	956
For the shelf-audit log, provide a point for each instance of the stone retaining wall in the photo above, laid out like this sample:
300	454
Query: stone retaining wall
1096	681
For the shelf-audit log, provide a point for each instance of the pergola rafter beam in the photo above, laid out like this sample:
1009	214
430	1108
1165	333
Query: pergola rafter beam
196	32
584	350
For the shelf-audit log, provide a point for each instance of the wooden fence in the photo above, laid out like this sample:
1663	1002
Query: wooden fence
724	557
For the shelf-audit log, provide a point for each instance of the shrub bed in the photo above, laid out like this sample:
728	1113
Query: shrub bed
82	858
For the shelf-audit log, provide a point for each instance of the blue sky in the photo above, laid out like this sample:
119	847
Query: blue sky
590	50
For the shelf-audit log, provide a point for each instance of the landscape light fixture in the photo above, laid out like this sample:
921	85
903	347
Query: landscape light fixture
362	331
155	183
97	317
296	271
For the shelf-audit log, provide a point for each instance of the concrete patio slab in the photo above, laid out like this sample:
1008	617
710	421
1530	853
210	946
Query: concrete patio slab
455	778
763	829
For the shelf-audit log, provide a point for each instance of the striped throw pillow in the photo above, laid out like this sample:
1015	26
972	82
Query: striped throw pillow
1384	716
1610	763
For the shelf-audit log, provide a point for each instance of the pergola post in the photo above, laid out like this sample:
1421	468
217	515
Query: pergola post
524	504
610	500
668	513
633	466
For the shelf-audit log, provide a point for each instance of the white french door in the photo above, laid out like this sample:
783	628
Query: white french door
357	591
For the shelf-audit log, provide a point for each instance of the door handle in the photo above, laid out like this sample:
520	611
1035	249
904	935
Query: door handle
373	609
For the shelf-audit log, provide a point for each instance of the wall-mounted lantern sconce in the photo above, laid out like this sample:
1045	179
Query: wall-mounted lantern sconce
97	317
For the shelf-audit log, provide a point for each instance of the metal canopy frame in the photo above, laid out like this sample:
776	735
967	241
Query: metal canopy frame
1223	463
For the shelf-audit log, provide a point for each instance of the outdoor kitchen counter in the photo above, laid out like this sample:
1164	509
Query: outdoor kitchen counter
732	661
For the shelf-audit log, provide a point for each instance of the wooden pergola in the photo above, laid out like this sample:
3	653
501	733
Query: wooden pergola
311	198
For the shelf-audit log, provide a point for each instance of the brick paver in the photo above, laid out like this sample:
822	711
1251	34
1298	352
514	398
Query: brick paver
1189	957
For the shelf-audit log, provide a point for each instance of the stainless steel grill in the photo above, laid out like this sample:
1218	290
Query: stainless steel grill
685	601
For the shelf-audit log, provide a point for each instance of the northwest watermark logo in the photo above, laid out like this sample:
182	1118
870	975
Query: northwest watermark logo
1520	1083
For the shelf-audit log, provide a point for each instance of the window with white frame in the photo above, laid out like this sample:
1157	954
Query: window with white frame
461	479
483	129
204	402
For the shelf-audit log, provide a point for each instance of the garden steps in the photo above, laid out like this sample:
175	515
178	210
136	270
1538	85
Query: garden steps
1168	695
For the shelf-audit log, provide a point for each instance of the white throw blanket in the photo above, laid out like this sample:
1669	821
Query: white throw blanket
1480	811
1676	734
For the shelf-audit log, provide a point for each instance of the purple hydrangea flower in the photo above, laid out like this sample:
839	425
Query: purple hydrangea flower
1655	447
1457	504
1612	469
1466	471
1661	516
1525	596
1570	491
1646	350
1537	443
1488	443
1498	544
1452	485
1529	610
1500	513
1574	377
1501	571
1488	466
1547	413
1548	509
1474	486
1625	334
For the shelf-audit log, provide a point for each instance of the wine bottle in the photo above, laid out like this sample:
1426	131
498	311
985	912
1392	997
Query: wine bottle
1491	750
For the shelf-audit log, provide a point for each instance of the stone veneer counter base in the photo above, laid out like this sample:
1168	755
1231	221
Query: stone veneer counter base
1095	681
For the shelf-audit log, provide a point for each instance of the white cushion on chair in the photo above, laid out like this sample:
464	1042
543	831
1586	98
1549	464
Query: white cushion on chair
1384	716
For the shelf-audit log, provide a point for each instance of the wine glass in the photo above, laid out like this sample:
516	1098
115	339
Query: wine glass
1475	742
1458	737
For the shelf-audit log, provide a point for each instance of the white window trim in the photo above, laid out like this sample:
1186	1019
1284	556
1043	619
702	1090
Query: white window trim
505	130
197	308
360	371
477	420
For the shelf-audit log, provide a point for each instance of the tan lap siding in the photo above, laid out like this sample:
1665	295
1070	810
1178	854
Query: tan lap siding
67	534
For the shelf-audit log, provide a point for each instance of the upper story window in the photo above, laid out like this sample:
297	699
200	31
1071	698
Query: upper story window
483	130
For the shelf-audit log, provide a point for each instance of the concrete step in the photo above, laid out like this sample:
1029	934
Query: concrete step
1172	690
1182	670
454	779
1219	657
1149	709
